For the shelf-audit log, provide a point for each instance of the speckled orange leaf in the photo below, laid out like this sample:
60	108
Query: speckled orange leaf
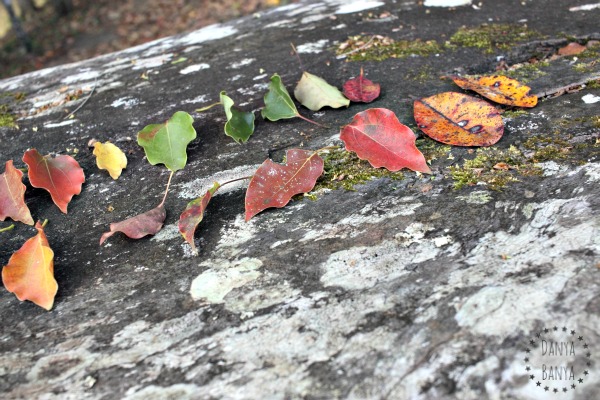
29	273
458	119
274	185
498	88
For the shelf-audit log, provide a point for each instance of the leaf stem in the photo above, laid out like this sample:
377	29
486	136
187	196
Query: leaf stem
297	56
311	121
208	107
162	203
8	228
236	180
44	223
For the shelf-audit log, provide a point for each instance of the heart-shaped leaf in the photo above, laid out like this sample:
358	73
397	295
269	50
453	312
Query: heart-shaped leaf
12	196
240	124
61	176
167	143
361	90
458	119
315	93
110	158
193	214
273	185
498	88
29	273
377	136
148	223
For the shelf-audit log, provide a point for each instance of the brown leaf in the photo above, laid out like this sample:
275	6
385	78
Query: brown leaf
148	223
571	49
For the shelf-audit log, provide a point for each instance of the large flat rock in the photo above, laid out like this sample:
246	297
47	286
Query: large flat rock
422	287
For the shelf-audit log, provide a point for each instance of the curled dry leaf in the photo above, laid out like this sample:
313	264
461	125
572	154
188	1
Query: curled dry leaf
458	119
377	136
61	176
110	158
498	88
273	185
167	143
193	214
148	223
361	89
315	93
29	273
12	196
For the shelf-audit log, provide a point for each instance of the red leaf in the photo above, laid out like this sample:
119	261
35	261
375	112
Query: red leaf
193	214
458	119
12	196
377	136
360	89
148	223
61	176
273	185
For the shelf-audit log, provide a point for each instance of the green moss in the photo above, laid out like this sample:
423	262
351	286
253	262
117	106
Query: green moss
493	167
433	150
344	170
584	67
6	118
526	72
492	37
379	48
593	84
514	113
546	148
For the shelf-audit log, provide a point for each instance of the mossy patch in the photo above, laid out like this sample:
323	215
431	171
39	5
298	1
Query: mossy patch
526	72
379	48
492	37
494	168
6	118
344	170
514	113
547	148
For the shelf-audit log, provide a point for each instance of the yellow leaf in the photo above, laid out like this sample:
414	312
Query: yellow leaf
110	158
29	273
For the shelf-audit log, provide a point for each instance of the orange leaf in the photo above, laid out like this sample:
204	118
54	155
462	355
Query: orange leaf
12	196
458	119
29	273
498	88
571	49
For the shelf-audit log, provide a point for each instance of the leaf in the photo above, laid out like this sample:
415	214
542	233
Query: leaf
278	103
571	49
458	119
315	93
167	143
240	124
110	158
148	223
12	196
377	136
361	90
29	273
498	88
273	185
193	214
61	176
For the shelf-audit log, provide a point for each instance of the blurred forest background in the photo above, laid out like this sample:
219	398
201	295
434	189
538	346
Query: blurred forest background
62	31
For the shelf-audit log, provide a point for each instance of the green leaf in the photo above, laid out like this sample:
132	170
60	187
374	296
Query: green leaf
278	103
240	124
166	143
315	93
